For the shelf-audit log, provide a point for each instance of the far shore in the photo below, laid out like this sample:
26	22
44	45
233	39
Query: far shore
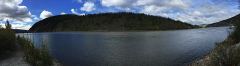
125	31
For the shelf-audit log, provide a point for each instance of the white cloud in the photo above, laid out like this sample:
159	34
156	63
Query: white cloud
191	11
45	14
163	3
75	12
21	26
63	13
12	10
17	24
88	7
35	18
131	3
118	3
18	15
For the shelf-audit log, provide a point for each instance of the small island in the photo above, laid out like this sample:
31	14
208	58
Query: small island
108	22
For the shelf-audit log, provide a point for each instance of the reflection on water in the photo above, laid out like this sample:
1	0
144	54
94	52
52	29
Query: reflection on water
156	48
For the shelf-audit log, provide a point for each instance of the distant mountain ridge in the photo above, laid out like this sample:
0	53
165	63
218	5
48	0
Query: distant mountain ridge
227	22
20	31
107	22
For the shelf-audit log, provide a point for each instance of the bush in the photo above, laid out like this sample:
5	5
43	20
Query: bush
227	53
8	42
35	56
225	56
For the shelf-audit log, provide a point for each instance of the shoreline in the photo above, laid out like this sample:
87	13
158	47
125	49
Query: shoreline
128	30
210	58
17	59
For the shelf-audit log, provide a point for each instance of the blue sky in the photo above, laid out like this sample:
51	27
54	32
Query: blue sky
24	13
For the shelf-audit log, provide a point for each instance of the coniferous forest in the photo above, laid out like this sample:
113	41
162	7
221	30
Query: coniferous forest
108	22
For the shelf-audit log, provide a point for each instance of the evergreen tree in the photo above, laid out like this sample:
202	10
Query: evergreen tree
8	25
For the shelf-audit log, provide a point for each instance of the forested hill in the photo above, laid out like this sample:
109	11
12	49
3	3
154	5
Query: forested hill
107	22
227	22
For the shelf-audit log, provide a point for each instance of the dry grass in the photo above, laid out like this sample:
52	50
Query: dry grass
226	53
35	56
7	44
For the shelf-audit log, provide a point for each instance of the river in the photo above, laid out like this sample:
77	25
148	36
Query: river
150	48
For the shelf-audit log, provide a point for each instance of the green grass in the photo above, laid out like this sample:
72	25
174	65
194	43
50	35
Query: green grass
35	56
225	54
7	44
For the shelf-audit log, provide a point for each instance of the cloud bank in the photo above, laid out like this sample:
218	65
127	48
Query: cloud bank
18	15
191	11
12	10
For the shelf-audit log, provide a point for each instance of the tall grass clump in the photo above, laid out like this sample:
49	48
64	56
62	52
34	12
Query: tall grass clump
7	38
35	56
227	53
8	41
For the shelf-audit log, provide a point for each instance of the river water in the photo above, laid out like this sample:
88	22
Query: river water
150	48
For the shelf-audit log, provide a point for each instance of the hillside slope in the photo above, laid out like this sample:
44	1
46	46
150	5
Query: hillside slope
107	22
227	22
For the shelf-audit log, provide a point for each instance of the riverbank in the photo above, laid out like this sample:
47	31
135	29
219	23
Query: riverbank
17	59
36	56
226	53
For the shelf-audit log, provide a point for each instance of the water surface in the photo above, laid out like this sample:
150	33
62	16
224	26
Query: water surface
152	48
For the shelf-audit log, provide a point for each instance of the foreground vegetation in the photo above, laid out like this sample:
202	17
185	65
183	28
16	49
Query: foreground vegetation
226	53
108	22
10	43
35	56
7	44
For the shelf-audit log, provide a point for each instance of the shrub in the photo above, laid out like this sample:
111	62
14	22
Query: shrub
7	38
225	56
227	53
35	56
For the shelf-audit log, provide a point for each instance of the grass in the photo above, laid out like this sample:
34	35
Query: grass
7	44
35	56
226	53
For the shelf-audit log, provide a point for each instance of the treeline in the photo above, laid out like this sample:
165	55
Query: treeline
108	22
